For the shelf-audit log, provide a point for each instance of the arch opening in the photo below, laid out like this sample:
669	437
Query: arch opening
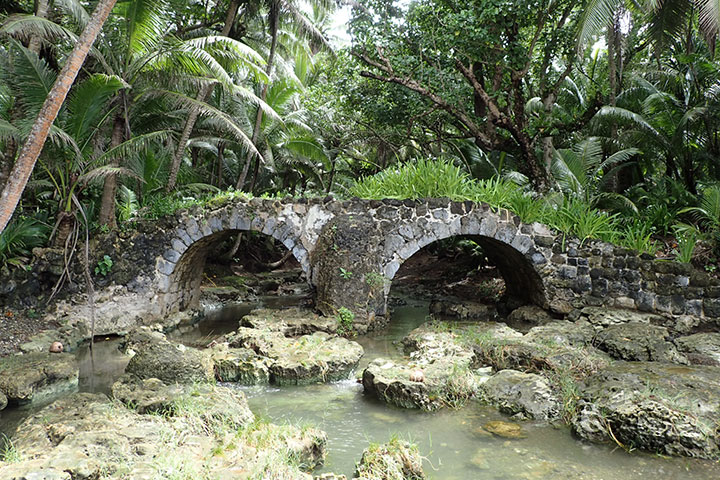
468	276
238	267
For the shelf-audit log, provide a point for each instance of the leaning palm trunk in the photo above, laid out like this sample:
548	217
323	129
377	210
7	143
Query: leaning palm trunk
205	92
29	153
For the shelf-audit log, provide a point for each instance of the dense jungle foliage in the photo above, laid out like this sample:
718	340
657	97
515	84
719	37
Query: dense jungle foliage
600	118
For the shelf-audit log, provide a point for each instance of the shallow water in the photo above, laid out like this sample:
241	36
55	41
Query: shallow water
453	443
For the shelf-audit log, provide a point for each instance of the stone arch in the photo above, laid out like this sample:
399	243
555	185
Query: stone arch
179	271
507	243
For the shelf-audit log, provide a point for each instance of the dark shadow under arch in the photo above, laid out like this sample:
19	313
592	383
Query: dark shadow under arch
187	277
523	284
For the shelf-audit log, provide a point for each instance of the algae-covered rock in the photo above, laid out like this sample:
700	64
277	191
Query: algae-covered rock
209	402
601	317
505	429
85	436
240	365
395	460
658	407
446	381
308	359
291	322
562	332
639	341
156	357
525	394
149	395
530	315
29	377
463	310
700	348
3	401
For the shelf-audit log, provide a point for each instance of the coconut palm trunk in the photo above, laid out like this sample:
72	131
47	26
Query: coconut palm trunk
274	18
25	163
205	92
107	204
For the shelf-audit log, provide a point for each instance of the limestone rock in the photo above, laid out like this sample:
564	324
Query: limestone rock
291	322
395	460
700	348
240	365
562	332
24	378
308	359
463	310
146	396
448	381
3	401
526	394
156	357
529	314
84	436
639	341
657	407
600	317
505	429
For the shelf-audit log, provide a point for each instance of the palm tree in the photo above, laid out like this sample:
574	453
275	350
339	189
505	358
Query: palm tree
25	163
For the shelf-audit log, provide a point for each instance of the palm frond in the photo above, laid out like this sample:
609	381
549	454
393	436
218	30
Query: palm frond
597	16
88	104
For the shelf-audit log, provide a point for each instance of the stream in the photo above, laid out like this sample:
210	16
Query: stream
453	442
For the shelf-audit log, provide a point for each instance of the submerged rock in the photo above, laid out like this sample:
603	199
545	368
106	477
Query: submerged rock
524	394
639	341
291	322
701	348
156	357
395	460
315	358
657	407
505	429
29	377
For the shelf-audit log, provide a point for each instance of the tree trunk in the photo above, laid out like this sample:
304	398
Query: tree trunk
40	12
38	134
107	204
274	18
194	112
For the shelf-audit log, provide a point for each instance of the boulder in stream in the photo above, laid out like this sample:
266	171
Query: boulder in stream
156	357
33	376
524	395
316	358
440	372
670	409
240	365
639	341
700	348
291	322
394	460
463	310
85	436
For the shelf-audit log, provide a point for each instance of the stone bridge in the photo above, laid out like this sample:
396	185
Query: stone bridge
351	250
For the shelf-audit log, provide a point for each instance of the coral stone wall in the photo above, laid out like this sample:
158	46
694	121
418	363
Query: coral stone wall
350	252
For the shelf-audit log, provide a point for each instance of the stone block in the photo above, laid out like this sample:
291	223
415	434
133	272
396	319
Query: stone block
171	255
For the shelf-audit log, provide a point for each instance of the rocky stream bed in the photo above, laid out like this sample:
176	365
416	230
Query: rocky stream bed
527	396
